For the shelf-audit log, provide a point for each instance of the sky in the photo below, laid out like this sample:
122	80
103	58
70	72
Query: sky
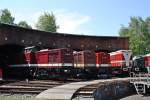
86	17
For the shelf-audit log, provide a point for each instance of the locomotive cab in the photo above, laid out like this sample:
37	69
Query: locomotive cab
139	64
29	53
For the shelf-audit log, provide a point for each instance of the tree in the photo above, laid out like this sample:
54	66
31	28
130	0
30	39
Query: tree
138	32
6	17
124	31
24	24
47	22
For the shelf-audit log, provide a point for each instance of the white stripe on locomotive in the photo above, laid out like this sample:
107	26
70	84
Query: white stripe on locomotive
123	61
86	65
103	65
35	65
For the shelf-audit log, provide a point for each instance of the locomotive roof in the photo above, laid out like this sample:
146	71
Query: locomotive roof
138	57
51	49
119	51
30	47
43	50
147	55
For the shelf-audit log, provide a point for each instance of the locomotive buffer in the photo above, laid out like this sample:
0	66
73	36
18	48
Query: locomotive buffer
141	82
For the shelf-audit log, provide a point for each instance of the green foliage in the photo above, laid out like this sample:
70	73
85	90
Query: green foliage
6	17
47	22
124	31
18	98
138	32
24	24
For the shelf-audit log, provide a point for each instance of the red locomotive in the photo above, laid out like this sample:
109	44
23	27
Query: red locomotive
63	62
141	64
144	63
147	63
147	60
84	63
54	62
45	63
23	64
120	61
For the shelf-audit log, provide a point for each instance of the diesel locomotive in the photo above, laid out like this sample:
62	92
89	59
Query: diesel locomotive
64	63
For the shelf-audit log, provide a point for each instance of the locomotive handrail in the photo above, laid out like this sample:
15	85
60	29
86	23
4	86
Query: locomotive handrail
140	78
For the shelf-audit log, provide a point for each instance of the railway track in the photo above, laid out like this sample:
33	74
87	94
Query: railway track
87	91
30	87
2	82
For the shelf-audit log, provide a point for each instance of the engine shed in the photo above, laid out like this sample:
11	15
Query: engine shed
10	36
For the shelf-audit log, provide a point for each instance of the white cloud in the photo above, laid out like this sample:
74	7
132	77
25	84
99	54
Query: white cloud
71	22
68	22
29	18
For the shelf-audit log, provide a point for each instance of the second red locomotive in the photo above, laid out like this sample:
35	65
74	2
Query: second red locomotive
120	61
